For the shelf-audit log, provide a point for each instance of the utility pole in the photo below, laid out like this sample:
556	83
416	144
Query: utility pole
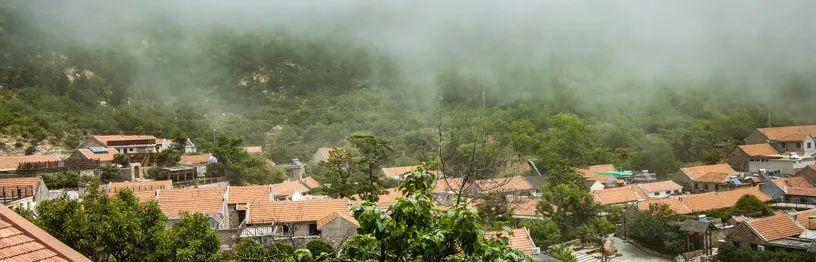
483	98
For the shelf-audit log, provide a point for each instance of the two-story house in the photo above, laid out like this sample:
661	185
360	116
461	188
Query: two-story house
719	177
786	138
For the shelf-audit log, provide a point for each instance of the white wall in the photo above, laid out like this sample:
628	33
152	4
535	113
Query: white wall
785	166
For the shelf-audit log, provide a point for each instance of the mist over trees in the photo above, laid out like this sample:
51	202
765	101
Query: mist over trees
559	97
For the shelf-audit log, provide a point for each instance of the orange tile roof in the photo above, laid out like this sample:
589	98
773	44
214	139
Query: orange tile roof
26	185
386	200
706	201
520	239
105	139
447	184
21	240
194	159
788	133
523	205
289	187
619	195
801	191
249	194
718	173
504	184
673	203
397	172
758	150
331	217
660	186
778	226
134	186
803	217
795	181
589	173
10	163
173	202
295	211
104	157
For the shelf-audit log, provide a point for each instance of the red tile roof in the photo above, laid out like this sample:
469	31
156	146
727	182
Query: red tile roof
520	239
386	200
19	187
660	186
104	157
797	185
249	194
10	163
504	184
135	186
173	202
718	173
20	240
295	211
194	159
778	226
619	195
523	205
589	173
803	217
788	133
331	217
673	203
706	201
447	184
758	150
398	172
289	187
106	139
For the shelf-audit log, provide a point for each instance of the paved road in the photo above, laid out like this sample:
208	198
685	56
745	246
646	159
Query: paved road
632	253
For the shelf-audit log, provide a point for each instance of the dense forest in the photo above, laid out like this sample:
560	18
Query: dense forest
293	93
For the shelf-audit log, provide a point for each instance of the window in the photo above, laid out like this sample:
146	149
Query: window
808	145
285	229
313	230
798	145
716	187
668	192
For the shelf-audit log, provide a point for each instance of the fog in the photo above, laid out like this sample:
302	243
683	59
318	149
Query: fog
757	42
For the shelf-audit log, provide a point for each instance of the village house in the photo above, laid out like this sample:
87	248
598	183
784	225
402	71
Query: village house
23	241
175	202
199	162
524	207
779	232
23	192
300	221
691	204
636	192
102	154
796	189
786	138
187	147
125	144
743	155
596	181
10	164
294	190
719	177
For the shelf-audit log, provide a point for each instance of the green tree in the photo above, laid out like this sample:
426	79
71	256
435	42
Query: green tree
657	228
170	156
346	174
373	152
544	232
413	229
108	173
101	226
191	239
320	249
122	160
238	166
569	206
752	204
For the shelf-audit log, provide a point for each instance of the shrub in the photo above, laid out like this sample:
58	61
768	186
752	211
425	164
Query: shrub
318	247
